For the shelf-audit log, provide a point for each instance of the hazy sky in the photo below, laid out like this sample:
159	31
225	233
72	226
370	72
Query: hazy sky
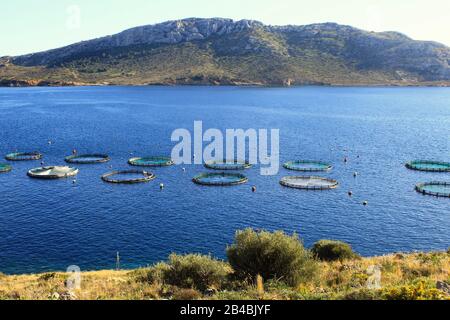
31	25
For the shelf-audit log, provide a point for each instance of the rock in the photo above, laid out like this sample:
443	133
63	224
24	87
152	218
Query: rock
443	286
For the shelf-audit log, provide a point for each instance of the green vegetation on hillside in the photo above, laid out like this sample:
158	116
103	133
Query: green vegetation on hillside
262	265
327	54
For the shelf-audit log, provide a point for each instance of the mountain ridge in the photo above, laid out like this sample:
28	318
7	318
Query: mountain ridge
221	51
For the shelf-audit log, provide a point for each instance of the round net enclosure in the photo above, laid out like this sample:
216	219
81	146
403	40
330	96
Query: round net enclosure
54	172
220	179
430	166
307	166
5	168
88	158
23	156
438	189
151	162
128	177
228	165
309	183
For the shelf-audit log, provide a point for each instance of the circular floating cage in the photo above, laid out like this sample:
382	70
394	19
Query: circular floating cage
52	172
151	162
429	166
88	158
220	179
128	177
5	168
438	189
308	166
228	165
309	183
23	156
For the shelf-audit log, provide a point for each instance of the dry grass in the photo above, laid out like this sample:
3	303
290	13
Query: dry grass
402	275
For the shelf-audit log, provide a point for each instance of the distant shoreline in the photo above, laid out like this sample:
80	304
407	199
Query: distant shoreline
21	84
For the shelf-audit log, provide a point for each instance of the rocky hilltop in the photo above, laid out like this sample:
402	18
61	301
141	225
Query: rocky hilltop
226	52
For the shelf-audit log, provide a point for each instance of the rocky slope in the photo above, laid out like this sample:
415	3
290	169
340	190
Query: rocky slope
222	51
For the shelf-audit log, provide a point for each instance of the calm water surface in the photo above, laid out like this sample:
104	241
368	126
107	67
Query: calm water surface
49	225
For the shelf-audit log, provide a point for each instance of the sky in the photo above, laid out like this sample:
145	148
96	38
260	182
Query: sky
35	25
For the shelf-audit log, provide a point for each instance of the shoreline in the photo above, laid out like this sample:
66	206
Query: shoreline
262	86
131	269
415	276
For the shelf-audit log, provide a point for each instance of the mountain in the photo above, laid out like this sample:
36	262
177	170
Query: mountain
226	52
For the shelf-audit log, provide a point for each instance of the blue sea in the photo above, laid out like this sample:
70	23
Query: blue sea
50	225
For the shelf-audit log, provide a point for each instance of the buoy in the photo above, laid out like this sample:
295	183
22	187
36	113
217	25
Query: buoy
184	169
74	151
161	186
365	203
49	142
254	189
74	181
350	193
355	174
345	159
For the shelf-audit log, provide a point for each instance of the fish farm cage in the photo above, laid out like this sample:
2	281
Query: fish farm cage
53	172
429	166
88	159
227	165
23	156
309	183
308	166
151	162
437	189
220	179
5	168
128	177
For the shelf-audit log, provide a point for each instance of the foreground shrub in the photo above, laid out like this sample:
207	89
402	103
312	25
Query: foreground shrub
186	295
189	272
362	295
153	275
328	250
196	272
272	255
419	291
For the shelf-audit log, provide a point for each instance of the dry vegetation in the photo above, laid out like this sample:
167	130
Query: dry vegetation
417	276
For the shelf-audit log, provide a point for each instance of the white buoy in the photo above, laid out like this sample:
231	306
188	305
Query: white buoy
355	174
365	203
161	186
350	193
74	181
184	169
254	189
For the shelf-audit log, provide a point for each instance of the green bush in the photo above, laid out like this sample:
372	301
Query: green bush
189	272
271	255
195	272
154	274
186	295
328	250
